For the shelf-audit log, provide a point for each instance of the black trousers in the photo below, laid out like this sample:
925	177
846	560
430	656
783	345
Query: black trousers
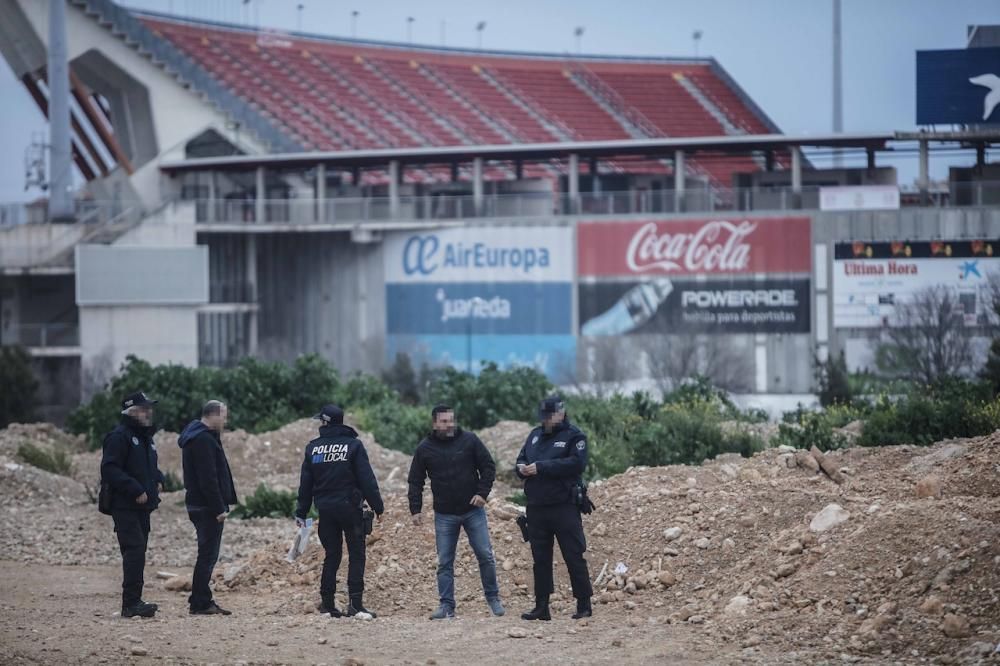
562	523
209	532
335	527
132	528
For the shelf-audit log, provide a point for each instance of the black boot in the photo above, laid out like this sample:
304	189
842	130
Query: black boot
140	609
583	609
355	606
539	612
329	605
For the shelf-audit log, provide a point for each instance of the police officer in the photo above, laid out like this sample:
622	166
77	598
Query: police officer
130	472
551	463
336	475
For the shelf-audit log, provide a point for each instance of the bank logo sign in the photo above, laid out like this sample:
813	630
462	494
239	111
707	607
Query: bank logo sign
958	87
497	254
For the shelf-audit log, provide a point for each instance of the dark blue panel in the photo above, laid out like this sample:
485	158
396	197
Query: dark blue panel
945	94
479	307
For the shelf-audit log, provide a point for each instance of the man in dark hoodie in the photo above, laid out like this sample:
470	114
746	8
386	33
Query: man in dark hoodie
336	475
129	467
462	472
209	490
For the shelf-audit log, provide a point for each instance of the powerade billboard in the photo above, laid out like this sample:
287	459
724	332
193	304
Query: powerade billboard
465	296
958	87
711	276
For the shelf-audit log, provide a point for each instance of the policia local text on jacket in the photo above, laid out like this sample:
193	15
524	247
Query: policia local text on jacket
129	465
560	457
337	476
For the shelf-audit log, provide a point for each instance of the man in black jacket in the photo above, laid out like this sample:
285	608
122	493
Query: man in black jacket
209	490
337	475
462	474
552	463
129	466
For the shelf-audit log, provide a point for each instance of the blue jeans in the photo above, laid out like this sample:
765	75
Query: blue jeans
446	529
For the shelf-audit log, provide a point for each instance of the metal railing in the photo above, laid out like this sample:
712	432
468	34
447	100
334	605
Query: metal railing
58	334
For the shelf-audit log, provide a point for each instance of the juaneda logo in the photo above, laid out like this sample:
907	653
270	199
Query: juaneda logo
717	246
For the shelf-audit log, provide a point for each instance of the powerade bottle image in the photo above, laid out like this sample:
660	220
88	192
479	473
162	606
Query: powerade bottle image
632	310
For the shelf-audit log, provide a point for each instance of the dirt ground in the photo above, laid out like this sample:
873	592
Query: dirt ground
760	560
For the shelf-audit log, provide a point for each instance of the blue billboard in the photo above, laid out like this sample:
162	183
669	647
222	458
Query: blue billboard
466	296
958	87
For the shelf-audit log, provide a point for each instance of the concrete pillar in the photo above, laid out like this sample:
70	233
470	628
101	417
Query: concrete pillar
61	206
595	177
454	172
518	170
871	158
251	295
477	185
980	157
796	177
678	180
573	176
261	195
394	189
769	160
321	193
211	215
923	178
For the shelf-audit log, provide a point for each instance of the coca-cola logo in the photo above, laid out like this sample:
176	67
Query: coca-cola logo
718	246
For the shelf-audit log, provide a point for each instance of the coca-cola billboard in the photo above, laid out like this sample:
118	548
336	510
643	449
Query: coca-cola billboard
722	245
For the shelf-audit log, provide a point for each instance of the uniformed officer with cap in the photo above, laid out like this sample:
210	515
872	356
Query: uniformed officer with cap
336	475
131	482
552	463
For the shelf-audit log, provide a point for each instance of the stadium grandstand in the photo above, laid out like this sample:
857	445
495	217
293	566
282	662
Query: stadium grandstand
262	193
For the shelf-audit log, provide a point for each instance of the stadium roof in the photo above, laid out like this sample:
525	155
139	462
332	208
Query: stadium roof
661	147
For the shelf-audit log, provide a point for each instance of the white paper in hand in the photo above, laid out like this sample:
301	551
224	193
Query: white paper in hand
300	542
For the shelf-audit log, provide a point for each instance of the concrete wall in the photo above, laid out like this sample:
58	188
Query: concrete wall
158	334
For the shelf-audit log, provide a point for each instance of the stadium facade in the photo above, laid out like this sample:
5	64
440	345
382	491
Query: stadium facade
601	218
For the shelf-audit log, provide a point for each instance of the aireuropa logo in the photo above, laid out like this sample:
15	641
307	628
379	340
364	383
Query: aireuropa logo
423	255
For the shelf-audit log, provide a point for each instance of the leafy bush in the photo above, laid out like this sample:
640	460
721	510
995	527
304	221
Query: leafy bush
261	396
394	425
952	408
57	460
171	483
832	379
492	395
267	503
18	398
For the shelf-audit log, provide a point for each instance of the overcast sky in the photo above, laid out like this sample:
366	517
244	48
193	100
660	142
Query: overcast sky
779	51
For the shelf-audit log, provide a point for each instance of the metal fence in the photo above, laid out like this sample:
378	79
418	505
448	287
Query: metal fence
58	334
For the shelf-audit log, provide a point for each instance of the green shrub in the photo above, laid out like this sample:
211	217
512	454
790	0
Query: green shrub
266	502
492	395
832	379
953	408
395	425
57	460
19	395
518	498
261	396
171	483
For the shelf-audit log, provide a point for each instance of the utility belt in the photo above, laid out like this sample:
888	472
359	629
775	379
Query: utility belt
580	499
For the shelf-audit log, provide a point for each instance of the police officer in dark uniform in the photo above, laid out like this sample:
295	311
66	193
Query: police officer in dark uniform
131	481
551	463
336	475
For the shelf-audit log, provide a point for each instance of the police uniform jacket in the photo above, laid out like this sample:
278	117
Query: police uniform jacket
560	457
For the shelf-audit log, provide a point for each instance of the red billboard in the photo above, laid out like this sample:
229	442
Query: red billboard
731	245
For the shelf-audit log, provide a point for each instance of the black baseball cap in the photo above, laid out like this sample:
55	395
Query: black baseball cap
330	414
549	406
137	399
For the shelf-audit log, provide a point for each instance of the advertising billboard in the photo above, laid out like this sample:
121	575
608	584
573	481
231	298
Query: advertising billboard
958	87
709	276
465	296
870	280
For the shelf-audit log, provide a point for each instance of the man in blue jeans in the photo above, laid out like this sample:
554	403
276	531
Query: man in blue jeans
462	472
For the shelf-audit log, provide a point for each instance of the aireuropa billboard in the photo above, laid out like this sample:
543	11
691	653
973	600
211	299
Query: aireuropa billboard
870	280
715	276
467	295
958	87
